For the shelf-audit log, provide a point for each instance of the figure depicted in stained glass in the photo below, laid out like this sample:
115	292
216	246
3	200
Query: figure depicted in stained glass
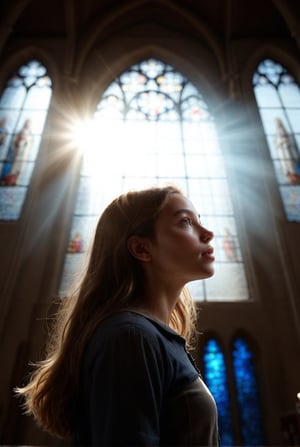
17	155
287	153
76	243
229	246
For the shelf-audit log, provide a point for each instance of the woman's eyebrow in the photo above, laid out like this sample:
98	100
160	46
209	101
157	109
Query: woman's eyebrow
187	211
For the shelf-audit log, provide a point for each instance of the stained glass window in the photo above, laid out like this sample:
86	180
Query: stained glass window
278	99
23	110
215	376
247	394
152	127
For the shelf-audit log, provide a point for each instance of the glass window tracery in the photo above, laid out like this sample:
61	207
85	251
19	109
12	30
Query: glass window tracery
154	128
23	110
278	100
215	375
247	394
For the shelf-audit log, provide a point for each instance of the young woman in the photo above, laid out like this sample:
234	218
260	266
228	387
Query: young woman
117	371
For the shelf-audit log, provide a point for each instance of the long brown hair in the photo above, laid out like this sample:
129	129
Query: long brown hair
113	281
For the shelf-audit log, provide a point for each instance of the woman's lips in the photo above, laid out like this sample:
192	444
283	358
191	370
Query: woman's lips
208	254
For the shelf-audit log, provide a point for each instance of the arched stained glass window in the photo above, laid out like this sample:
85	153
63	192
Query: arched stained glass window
152	127
23	110
247	394
215	376
278	99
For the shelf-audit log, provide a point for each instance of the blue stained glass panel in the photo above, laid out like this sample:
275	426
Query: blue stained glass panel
215	376
247	394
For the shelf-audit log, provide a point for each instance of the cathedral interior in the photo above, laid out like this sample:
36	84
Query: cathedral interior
102	96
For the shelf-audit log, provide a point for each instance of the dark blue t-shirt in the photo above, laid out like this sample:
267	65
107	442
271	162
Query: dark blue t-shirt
140	387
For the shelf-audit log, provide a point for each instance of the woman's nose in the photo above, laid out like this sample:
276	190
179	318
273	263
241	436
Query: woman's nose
206	235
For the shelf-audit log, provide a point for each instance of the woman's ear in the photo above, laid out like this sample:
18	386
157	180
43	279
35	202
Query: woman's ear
139	248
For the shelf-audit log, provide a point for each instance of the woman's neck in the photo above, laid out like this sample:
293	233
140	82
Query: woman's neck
158	306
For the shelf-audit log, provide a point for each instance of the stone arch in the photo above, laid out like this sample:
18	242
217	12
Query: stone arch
138	7
205	80
23	55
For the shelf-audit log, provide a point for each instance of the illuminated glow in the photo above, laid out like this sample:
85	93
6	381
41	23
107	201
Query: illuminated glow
98	141
84	134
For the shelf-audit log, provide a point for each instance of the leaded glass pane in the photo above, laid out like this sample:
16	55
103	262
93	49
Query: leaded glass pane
154	128
278	99
13	97
215	376
37	96
229	284
193	110
11	201
23	110
291	198
247	394
289	93
295	121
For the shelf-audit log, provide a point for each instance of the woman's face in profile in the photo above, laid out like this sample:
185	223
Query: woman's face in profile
181	248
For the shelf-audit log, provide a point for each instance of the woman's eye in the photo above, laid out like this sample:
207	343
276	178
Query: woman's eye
187	221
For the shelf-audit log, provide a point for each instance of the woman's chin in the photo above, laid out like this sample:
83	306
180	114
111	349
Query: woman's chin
210	272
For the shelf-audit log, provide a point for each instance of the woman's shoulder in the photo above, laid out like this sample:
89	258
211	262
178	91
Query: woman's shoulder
121	334
126	322
130	328
129	331
131	321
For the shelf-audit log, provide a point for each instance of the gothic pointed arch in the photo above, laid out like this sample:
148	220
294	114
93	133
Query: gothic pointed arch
153	126
23	110
144	11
